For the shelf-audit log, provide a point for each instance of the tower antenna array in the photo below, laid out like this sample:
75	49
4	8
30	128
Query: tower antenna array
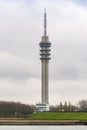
45	23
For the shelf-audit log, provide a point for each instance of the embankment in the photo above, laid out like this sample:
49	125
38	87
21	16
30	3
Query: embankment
40	122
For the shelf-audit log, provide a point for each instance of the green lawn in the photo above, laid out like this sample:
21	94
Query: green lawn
59	116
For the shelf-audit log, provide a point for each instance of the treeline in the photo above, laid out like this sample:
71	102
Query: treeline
15	109
68	106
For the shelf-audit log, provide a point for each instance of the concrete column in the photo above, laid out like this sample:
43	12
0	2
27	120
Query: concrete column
46	81
44	90
43	82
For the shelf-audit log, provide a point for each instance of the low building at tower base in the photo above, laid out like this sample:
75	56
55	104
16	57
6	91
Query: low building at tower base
42	107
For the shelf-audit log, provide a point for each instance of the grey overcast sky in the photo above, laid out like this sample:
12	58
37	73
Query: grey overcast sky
21	28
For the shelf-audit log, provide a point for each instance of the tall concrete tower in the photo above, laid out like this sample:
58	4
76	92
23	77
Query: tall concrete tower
45	57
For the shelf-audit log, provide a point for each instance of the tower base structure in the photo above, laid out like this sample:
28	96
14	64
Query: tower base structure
42	107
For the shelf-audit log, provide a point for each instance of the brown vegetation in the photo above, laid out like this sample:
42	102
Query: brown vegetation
15	109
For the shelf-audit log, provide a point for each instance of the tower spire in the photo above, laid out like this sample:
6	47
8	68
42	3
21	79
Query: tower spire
45	38
45	22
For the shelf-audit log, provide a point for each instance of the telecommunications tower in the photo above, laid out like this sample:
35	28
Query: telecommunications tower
44	57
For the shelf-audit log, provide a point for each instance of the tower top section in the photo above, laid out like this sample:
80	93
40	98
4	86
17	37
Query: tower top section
45	38
45	44
45	23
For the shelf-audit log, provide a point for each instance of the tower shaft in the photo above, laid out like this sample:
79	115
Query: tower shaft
45	77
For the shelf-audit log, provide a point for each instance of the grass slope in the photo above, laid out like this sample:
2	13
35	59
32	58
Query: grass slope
59	116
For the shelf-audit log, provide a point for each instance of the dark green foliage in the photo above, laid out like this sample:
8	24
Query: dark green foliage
15	109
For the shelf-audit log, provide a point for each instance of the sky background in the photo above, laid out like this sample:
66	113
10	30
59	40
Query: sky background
21	28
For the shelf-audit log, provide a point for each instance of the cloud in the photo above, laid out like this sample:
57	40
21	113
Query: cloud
20	90
20	36
69	43
21	28
21	32
15	67
67	91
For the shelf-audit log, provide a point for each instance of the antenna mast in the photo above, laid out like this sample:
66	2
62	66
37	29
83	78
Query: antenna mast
45	23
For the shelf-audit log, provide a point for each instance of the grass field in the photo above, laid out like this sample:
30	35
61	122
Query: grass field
82	116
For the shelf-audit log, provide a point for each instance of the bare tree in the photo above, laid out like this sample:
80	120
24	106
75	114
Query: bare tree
82	105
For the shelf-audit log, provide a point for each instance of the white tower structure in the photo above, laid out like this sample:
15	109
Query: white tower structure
44	57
